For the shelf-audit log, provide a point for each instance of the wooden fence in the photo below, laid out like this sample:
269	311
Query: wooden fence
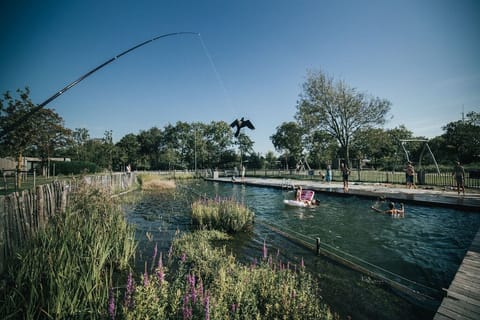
23	213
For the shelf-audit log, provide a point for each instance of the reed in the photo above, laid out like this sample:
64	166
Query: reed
224	214
198	281
66	270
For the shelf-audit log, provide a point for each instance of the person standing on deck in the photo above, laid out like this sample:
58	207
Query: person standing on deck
345	173
328	174
410	175
459	174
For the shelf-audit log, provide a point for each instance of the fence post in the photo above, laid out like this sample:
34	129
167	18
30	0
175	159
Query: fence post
318	246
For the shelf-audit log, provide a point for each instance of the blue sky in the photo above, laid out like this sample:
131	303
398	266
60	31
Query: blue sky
423	56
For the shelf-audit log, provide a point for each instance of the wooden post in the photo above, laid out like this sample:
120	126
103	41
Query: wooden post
318	246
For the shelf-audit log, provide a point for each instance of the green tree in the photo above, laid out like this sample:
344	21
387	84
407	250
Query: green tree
151	143
288	140
23	129
338	109
128	150
462	138
80	136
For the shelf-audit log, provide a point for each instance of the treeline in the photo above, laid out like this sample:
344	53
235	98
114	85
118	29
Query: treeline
333	123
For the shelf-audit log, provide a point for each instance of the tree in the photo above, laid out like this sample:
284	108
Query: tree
288	140
33	131
463	138
80	136
338	109
128	148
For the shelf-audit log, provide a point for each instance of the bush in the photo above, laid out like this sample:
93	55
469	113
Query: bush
74	167
198	281
221	214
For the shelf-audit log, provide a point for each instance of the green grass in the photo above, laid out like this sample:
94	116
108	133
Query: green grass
66	270
221	214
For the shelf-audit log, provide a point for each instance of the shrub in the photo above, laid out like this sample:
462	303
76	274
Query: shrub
75	167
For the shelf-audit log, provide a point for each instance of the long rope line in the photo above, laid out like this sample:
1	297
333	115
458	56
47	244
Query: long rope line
217	74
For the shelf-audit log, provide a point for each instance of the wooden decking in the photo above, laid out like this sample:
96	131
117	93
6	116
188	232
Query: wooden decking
463	295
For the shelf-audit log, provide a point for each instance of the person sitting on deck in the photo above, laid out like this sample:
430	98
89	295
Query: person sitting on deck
394	212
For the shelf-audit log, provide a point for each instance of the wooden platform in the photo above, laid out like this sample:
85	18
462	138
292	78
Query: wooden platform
463	295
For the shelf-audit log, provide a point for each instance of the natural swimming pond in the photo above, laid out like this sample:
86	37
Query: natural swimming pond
426	246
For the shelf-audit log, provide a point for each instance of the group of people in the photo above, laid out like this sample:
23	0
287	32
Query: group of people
345	173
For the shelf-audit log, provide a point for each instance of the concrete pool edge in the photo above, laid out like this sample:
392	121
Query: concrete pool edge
426	197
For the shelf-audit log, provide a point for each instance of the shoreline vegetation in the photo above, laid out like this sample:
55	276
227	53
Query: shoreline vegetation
153	182
80	266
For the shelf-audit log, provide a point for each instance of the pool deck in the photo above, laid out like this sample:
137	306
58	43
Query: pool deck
463	295
422	196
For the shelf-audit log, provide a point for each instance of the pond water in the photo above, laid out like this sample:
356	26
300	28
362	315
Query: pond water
425	247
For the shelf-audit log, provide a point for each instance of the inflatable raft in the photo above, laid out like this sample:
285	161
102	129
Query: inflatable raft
306	198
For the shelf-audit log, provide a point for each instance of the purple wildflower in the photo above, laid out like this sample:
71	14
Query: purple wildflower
302	264
111	304
128	301
160	273
145	277
155	252
207	307
234	308
264	250
187	310
184	257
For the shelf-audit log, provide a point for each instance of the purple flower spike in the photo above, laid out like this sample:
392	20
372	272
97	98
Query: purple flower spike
264	250
145	278
207	307
184	257
111	304
160	273
155	252
302	264
129	292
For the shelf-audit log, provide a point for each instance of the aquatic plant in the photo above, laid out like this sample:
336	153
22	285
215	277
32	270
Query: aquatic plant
211	284
224	214
66	270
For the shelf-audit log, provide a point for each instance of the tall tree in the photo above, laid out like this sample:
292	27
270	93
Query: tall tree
463	138
34	131
288	140
338	109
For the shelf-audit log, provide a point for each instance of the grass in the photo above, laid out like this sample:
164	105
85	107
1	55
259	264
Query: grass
223	214
66	270
195	280
152	182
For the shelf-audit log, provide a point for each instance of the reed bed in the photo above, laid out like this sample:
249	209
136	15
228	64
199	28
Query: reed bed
66	270
224	214
155	182
195	280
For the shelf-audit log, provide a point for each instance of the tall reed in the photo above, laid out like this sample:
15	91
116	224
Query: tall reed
66	270
225	214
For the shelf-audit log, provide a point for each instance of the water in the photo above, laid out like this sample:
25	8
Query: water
426	246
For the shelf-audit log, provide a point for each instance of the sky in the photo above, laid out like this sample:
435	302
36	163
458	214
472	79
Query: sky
250	60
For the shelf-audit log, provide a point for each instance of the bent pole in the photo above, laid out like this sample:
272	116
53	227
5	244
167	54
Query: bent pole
57	94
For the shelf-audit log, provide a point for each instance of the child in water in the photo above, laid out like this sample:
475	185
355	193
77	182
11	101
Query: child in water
394	212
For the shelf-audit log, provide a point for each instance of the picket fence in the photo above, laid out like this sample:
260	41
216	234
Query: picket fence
23	213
